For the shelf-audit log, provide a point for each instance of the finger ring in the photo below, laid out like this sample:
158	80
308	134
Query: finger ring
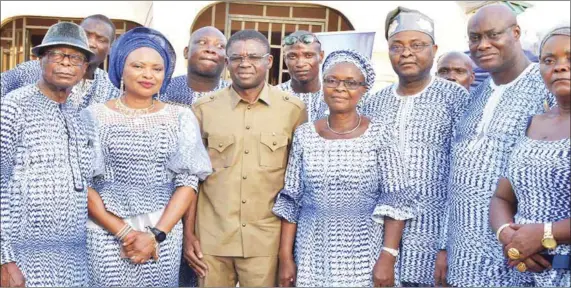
513	253
521	267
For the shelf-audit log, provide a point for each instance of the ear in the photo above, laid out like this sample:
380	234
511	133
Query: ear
472	77
321	55
434	49
270	61
185	52
516	32
226	63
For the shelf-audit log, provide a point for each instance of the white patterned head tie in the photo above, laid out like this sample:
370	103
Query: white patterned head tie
354	57
403	19
564	30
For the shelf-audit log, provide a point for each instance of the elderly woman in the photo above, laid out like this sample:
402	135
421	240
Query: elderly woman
536	194
344	202
148	158
43	166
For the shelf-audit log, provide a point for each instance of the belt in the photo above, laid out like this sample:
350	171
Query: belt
138	222
558	261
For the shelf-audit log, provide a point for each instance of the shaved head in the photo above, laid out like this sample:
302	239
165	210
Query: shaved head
494	36
456	67
206	52
208	30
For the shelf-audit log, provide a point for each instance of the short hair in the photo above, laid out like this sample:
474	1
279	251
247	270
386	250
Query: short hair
244	35
103	19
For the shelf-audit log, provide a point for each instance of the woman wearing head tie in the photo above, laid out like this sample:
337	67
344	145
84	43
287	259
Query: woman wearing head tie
147	160
344	202
531	209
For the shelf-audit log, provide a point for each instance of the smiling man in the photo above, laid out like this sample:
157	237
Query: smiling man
303	55
95	86
499	112
205	54
248	129
423	110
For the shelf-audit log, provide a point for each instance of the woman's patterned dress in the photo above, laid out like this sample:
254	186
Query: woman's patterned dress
138	163
338	191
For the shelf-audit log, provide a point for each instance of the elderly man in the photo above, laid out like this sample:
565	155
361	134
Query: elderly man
248	128
498	116
45	158
205	53
303	56
423	111
95	87
456	67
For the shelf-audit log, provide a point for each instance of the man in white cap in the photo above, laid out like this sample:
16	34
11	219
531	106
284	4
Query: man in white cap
423	110
44	163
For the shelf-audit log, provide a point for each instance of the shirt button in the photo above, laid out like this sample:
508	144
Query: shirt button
247	151
244	225
275	143
212	97
249	107
244	201
248	127
287	97
220	145
244	177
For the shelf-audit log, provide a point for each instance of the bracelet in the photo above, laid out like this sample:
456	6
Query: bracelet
391	251
123	232
500	230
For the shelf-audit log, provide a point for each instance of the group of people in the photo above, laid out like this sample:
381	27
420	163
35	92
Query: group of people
134	178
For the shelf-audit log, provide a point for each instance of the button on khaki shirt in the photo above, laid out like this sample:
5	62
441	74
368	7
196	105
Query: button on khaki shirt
248	144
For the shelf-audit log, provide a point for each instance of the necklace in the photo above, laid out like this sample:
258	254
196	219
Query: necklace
131	111
347	132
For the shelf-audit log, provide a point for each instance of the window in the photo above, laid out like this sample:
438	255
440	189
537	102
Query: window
275	20
20	34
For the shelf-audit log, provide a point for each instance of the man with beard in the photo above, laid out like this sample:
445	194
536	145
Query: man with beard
303	56
499	111
205	54
248	129
423	110
95	86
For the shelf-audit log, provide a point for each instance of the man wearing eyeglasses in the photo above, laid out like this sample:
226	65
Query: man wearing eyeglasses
499	112
45	158
456	67
422	109
303	55
248	129
95	86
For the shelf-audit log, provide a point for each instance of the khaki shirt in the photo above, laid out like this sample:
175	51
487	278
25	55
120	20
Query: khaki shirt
248	145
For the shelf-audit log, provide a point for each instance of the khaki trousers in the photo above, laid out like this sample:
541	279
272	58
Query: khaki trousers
249	272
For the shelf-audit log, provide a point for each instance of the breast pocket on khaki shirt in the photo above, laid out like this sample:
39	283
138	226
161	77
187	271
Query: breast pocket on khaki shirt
221	150
273	150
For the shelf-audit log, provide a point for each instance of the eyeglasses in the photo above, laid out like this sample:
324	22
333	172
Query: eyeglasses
305	39
251	58
474	38
415	48
349	84
58	56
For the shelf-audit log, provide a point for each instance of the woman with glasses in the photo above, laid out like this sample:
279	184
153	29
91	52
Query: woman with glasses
536	192
43	166
148	159
344	202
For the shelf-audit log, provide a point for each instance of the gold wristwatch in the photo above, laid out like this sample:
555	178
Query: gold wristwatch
548	241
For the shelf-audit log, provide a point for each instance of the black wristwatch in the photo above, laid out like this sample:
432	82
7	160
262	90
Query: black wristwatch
160	236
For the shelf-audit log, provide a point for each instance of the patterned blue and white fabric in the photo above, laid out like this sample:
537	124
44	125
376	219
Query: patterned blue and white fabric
424	127
43	192
339	208
138	164
86	92
540	174
316	107
178	92
496	118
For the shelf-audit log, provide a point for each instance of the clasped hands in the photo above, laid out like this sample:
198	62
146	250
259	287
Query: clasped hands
526	238
140	247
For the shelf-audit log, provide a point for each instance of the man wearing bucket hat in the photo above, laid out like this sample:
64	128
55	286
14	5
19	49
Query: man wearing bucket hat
45	158
422	109
95	87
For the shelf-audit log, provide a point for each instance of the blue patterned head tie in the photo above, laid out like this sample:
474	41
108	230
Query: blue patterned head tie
560	30
134	39
352	56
